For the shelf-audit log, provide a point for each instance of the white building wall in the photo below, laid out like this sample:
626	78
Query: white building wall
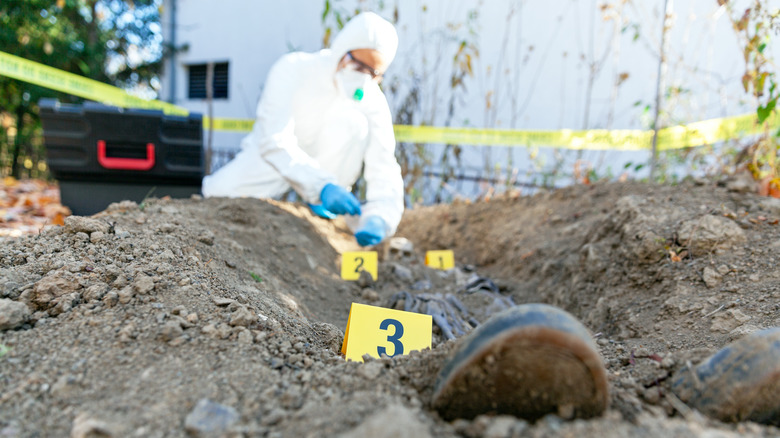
250	35
541	65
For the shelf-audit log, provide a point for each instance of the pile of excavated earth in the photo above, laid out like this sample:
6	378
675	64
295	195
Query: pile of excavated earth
225	317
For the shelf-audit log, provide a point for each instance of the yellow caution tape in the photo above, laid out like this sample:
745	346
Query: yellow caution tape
627	140
676	137
52	78
229	125
713	131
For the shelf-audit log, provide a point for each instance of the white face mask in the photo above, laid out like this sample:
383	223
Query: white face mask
352	83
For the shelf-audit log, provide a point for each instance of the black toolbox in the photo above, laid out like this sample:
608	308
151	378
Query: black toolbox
102	154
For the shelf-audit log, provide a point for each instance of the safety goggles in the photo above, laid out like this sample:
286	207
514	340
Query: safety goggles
362	67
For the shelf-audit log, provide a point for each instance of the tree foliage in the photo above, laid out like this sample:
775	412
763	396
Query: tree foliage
757	26
112	41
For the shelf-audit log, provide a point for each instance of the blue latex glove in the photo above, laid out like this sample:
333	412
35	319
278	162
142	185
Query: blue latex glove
372	231
321	211
339	201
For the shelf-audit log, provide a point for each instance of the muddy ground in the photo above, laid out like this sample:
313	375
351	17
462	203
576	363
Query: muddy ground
120	324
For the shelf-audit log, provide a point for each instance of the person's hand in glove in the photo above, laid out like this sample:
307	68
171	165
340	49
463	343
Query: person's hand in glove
337	200
372	231
320	211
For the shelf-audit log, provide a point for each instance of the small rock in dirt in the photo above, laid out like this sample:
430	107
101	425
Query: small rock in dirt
111	299
222	302
260	337
178	341
371	370
652	395
127	333
81	224
123	206
65	386
369	295
292	398
39	317
365	280
192	318
12	430
742	182
392	421
770	205
754	278
711	277
166	228
724	322
85	426
328	335
165	256
206	237
710	232
742	331
723	270
668	362
96	236
181	321
126	295
210	419
503	426
51	287
95	292
64	303
242	317
223	331
244	337
170	331
143	284
11	283
12	314
274	416
119	282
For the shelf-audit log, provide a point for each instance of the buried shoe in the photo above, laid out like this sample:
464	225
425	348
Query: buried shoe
740	382
527	361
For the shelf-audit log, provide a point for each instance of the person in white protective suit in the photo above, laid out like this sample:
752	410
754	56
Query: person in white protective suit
322	118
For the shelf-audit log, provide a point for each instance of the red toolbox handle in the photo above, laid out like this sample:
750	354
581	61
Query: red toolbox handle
125	163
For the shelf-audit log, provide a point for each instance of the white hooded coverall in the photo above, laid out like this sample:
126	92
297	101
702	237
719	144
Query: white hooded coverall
308	133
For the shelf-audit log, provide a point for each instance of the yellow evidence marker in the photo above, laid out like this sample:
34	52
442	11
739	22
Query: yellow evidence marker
354	262
377	331
440	259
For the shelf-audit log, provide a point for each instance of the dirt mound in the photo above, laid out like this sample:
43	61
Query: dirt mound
125	322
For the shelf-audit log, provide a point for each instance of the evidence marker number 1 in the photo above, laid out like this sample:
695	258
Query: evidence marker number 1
444	259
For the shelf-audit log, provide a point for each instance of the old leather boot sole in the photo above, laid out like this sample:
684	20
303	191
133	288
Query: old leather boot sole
527	361
740	382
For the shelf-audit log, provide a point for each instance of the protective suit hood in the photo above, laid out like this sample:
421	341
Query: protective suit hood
366	31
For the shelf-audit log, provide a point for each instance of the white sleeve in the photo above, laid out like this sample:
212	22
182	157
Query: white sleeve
385	185
274	132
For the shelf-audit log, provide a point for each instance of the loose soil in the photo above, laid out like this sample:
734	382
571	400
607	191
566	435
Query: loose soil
141	311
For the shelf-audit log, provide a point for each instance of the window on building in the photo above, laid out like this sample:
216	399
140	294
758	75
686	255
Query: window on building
197	81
